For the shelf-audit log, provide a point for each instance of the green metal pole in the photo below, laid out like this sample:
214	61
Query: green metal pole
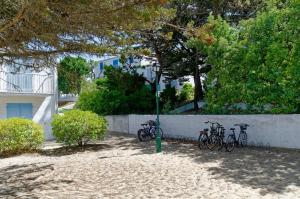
158	138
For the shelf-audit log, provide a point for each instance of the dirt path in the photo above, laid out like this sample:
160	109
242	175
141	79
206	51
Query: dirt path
121	167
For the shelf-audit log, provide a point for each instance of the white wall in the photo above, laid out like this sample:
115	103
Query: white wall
265	130
118	123
44	101
43	109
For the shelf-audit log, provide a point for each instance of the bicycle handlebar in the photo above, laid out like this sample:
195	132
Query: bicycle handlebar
212	123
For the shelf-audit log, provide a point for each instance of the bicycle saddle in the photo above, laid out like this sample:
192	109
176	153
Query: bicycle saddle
232	129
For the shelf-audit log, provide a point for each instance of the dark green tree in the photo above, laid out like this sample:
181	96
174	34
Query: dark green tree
118	93
256	63
169	96
71	72
186	92
169	41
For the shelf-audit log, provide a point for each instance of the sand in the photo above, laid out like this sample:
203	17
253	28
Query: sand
121	167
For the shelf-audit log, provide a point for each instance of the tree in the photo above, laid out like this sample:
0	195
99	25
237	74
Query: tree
168	97
71	73
118	93
36	29
186	92
169	41
256	63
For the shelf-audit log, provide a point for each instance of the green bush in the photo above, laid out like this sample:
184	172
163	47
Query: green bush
19	135
256	63
119	92
168	98
78	127
186	93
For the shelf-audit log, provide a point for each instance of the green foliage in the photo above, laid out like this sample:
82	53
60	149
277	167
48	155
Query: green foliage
256	63
186	93
169	96
118	93
170	99
167	107
169	42
19	135
71	72
37	29
78	127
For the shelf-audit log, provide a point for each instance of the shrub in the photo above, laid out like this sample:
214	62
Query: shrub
256	63
186	93
78	127
168	97
19	135
118	93
167	107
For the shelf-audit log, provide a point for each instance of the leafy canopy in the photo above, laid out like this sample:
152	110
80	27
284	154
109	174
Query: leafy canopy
118	93
71	73
256	63
39	28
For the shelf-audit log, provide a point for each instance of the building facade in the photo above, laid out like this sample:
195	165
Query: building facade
105	61
29	94
142	65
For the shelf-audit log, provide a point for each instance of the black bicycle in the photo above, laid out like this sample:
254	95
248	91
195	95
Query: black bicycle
221	136
242	139
149	131
210	138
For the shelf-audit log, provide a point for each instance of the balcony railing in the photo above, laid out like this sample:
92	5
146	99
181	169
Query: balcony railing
26	83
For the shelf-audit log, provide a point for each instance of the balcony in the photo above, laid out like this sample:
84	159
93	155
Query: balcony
26	84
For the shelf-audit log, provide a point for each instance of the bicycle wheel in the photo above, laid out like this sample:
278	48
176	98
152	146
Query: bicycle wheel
153	136
161	133
219	143
243	139
212	142
152	132
202	141
142	135
230	143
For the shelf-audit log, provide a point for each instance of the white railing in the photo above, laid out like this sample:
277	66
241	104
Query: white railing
26	83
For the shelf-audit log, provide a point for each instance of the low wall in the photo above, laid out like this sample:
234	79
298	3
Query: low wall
118	123
265	130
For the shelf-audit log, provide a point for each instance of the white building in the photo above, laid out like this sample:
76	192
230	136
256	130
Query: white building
143	66
105	61
29	94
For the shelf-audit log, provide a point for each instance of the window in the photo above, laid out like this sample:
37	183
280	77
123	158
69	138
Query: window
130	60
115	63
101	65
23	110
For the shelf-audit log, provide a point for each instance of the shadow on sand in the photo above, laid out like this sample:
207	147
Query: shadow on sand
19	181
63	151
271	170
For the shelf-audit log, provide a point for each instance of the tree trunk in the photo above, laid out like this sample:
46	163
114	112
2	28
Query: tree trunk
153	83
198	94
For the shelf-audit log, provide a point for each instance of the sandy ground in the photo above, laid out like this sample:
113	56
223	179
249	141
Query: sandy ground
121	167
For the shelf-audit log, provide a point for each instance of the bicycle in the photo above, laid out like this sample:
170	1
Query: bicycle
242	139
210	139
221	135
149	131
